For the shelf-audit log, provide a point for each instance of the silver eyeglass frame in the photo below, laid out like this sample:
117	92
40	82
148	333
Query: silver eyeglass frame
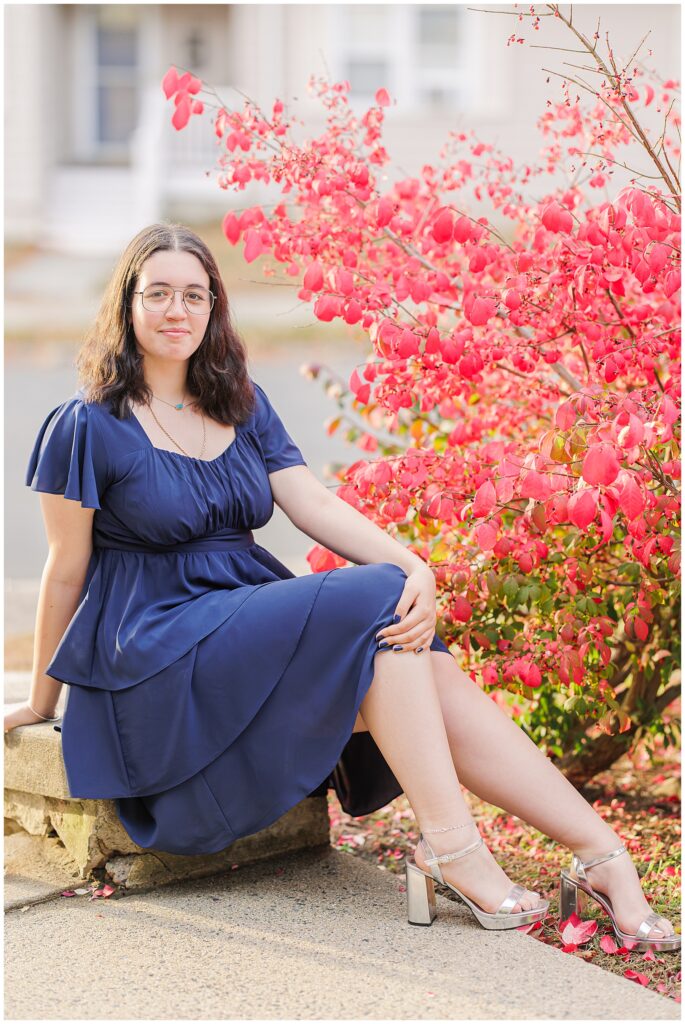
139	291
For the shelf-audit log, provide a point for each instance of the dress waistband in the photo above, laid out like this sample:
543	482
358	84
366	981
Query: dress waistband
226	540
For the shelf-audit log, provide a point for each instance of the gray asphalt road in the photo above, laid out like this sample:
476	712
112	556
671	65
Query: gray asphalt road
33	388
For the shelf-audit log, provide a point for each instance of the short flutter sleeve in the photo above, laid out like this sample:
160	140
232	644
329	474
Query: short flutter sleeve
277	445
68	456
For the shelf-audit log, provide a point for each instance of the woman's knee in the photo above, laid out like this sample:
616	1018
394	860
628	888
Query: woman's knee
447	670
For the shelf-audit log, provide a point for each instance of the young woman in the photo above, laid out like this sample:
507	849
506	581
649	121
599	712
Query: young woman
210	689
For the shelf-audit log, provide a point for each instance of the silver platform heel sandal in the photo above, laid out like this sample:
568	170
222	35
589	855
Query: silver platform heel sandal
575	881
421	905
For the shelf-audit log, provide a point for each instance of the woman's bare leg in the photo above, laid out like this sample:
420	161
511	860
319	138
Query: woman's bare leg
403	713
499	763
521	780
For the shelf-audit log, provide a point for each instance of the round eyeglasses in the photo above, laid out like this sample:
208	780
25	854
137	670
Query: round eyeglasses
157	298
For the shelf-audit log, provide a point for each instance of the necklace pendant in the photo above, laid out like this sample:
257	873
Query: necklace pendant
179	406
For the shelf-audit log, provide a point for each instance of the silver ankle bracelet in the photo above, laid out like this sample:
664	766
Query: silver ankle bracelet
449	827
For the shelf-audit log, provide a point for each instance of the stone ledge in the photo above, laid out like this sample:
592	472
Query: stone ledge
37	802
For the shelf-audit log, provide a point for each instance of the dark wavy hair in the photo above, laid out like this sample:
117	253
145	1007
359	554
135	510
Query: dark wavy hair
110	365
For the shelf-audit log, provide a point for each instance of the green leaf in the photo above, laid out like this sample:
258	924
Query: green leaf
440	552
493	582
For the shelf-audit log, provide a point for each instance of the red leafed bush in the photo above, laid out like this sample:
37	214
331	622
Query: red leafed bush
522	380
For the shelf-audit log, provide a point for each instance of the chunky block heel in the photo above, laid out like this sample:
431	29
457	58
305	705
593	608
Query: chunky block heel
421	908
570	901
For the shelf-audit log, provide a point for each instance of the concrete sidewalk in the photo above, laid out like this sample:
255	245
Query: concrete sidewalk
309	936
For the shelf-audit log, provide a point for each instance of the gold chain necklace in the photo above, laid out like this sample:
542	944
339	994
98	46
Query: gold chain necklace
204	434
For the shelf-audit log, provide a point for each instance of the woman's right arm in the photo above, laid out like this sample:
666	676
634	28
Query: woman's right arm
69	531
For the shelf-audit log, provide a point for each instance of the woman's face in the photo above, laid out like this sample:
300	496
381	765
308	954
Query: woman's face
173	333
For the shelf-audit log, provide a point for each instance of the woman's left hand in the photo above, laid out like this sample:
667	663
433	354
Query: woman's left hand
417	611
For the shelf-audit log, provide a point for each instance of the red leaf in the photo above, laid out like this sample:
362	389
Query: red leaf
600	465
353	312
231	228
463	230
657	257
253	245
630	498
486	535
607	944
182	113
565	416
170	82
641	628
327	307
641	979
481	311
535	485
485	499
313	277
408	344
344	281
512	298
461	609
556	218
320	559
633	433
582	508
578	933
443	226
385	213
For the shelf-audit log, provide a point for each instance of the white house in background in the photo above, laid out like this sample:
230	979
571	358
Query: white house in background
90	153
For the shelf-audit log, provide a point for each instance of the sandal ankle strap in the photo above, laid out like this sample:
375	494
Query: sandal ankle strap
432	860
579	865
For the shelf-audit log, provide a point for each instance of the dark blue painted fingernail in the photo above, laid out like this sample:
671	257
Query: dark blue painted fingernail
397	647
419	649
397	618
384	643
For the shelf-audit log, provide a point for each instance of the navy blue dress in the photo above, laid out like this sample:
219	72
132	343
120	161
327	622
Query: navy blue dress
209	689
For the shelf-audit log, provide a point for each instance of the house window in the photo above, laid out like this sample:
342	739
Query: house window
116	65
106	56
364	75
417	51
368	61
438	60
